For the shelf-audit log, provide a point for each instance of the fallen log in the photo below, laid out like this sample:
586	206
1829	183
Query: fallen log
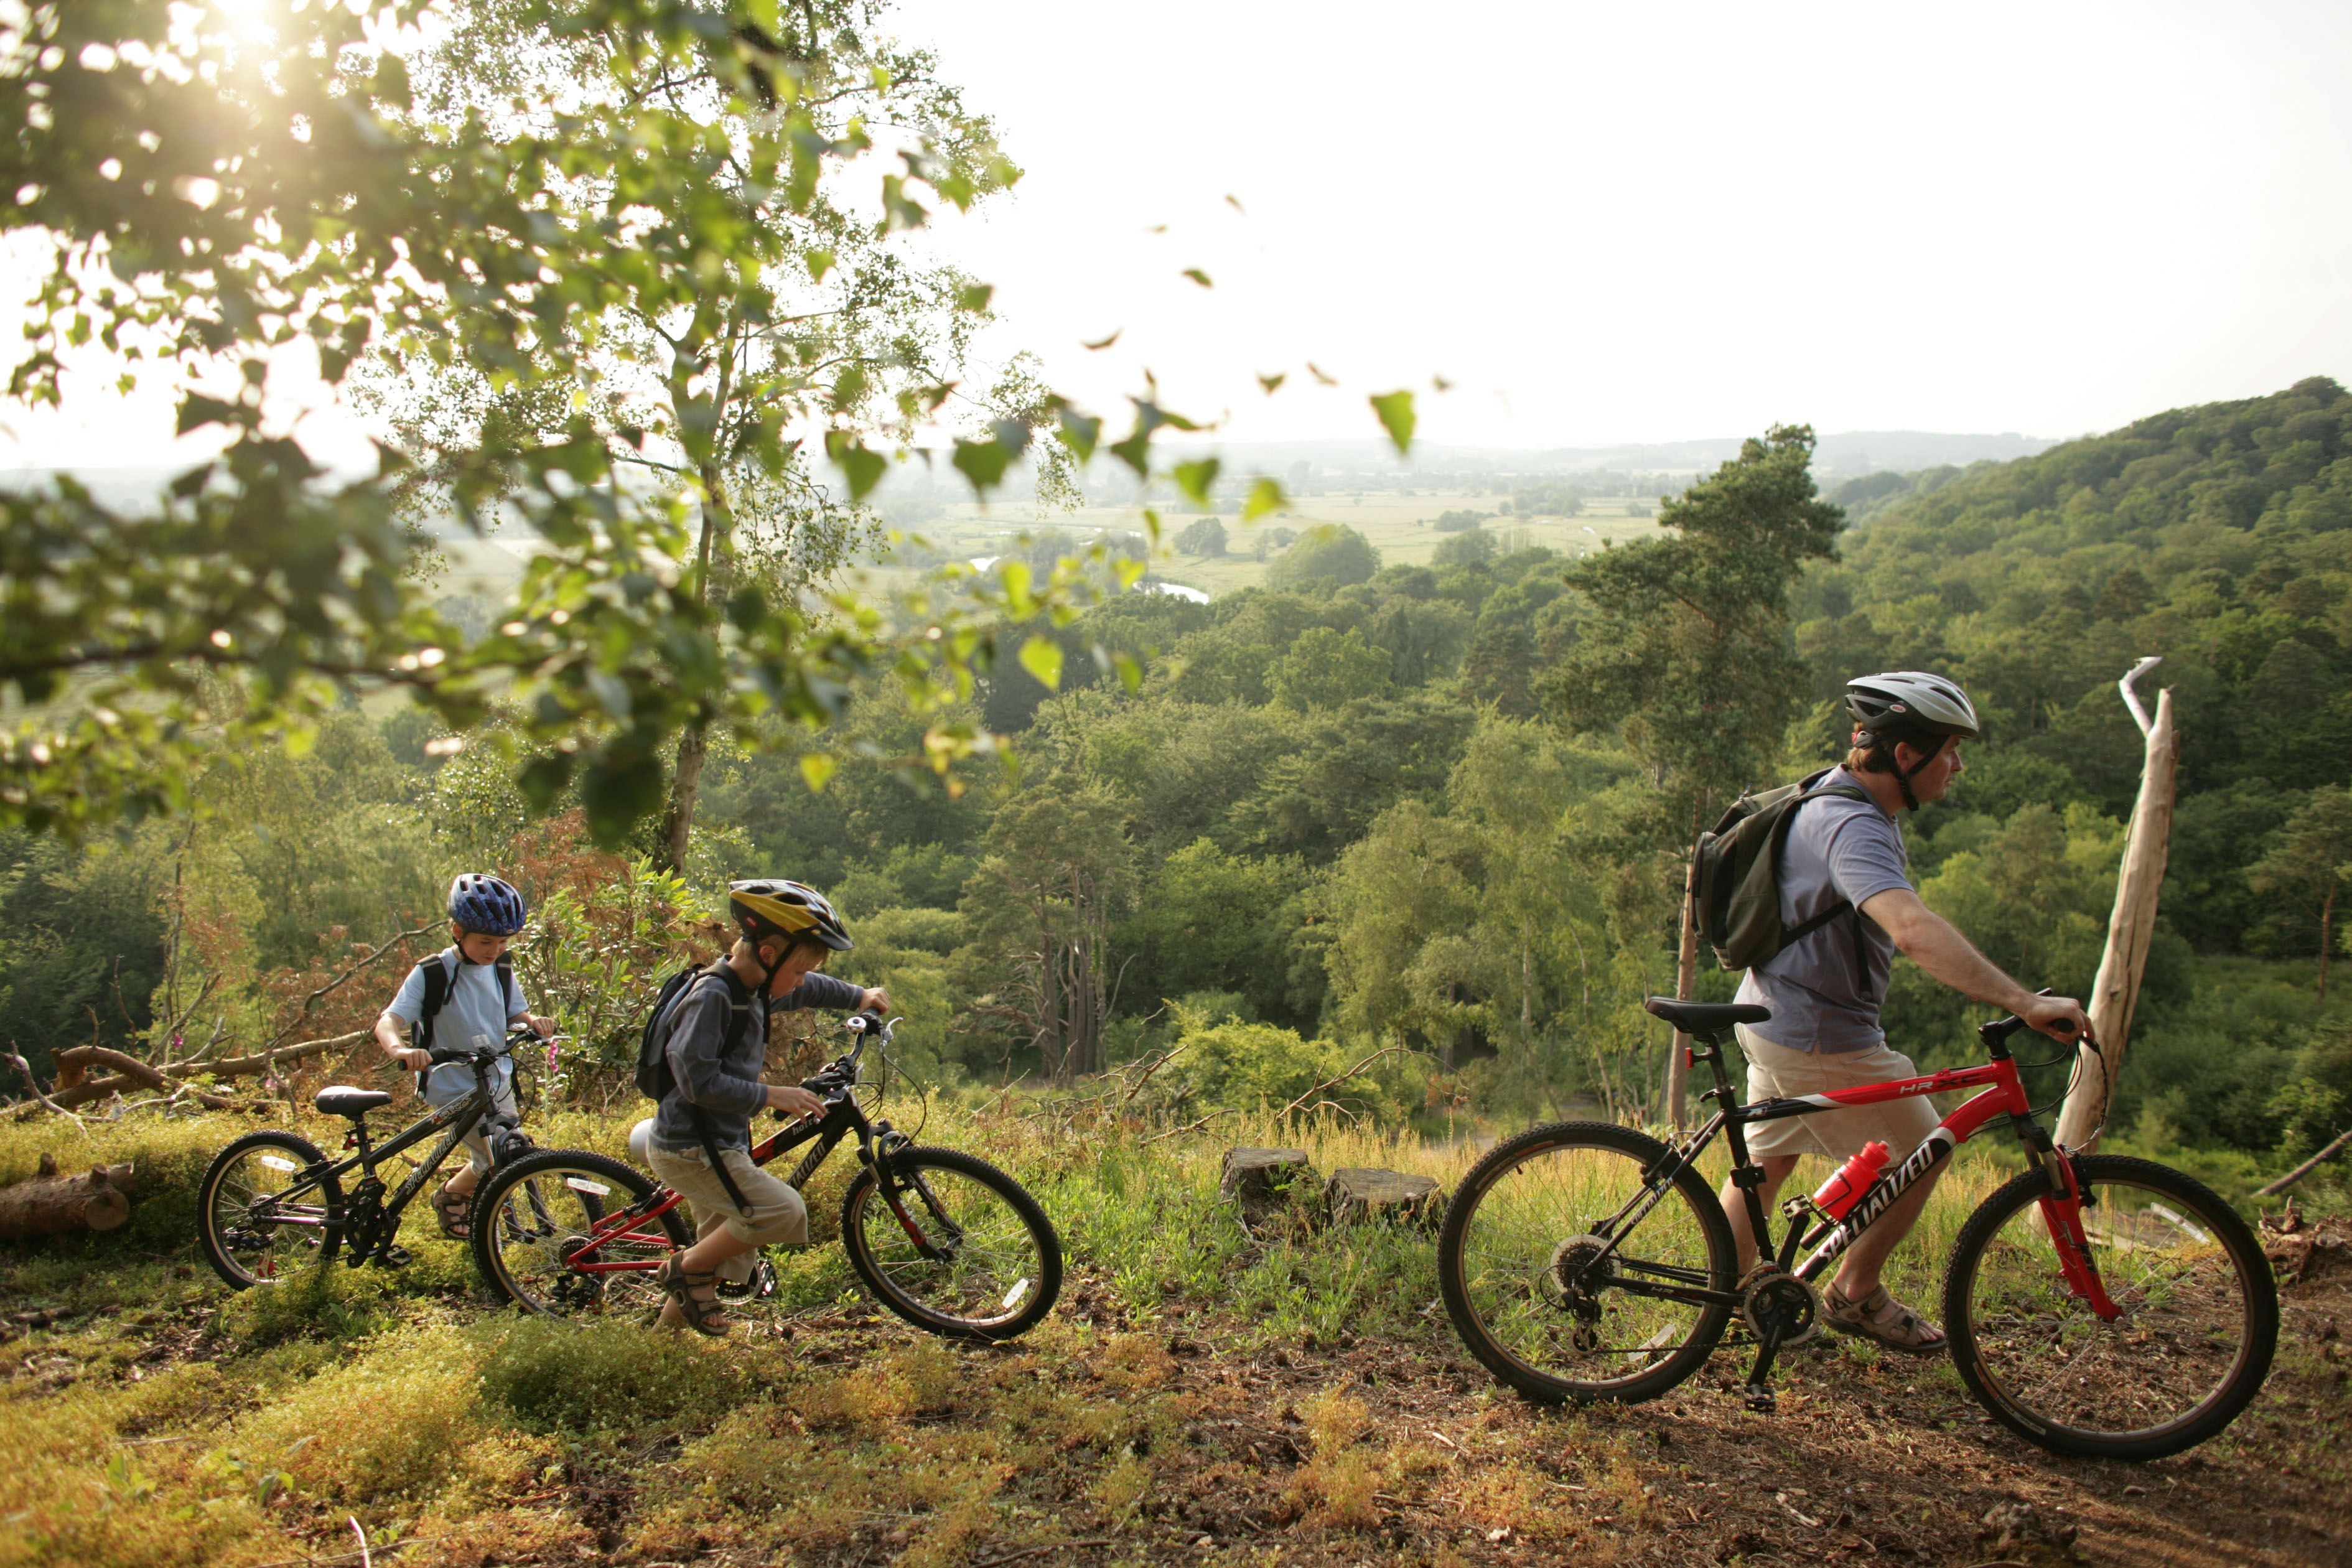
129	1072
59	1205
2292	1177
132	1070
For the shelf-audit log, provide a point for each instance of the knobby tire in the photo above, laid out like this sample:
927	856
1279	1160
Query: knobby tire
2002	1300
1461	1254
860	1207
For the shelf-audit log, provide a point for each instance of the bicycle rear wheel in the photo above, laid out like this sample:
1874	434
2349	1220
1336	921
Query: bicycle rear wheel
260	1219
961	1249
533	1215
2198	1326
1562	1259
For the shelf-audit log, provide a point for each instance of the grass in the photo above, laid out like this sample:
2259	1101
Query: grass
1193	1381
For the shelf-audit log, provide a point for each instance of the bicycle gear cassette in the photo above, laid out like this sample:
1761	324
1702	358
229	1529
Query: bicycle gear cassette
1772	1298
1573	1277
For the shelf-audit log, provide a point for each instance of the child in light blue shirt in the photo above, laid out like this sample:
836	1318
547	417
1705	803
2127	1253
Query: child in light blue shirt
482	1001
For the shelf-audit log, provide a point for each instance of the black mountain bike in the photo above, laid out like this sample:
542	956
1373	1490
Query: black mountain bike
272	1204
945	1240
2096	1305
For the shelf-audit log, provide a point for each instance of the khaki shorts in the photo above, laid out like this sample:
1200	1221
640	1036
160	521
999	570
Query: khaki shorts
1776	1072
777	1217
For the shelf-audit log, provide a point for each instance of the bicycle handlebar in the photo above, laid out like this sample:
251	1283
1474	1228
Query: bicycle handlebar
838	1076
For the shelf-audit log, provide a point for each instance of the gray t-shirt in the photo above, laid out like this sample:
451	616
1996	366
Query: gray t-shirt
1837	849
473	1009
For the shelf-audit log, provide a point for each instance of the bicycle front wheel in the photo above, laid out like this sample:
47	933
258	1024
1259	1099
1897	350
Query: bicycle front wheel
260	1218
2198	1323
1573	1274
951	1244
533	1219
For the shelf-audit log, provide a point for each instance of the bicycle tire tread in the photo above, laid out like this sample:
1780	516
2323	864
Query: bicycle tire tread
2199	1200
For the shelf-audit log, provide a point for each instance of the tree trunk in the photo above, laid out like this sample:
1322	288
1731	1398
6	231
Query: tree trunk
2327	933
2115	991
685	786
1685	990
60	1205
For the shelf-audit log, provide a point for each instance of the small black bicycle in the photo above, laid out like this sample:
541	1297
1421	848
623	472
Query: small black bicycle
945	1240
272	1204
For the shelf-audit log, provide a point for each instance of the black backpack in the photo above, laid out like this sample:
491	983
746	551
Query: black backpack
438	982
655	1079
1735	879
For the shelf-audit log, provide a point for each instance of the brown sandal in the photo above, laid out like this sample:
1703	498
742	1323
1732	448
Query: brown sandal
456	1213
703	1317
1879	1316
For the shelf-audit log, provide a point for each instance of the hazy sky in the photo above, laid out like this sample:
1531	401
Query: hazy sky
1611	222
1642	221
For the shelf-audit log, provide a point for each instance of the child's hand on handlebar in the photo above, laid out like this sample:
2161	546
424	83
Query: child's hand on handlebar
793	1098
877	1001
413	1057
2060	1017
542	1027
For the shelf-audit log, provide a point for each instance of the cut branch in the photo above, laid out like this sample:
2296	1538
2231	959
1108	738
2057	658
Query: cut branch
2292	1177
1331	1082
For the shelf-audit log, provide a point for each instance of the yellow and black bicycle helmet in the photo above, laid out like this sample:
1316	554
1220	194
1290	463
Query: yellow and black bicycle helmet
764	907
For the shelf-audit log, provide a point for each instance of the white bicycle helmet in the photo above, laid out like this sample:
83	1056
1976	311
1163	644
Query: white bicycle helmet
1911	705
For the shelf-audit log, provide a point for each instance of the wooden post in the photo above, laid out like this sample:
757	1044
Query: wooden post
2116	991
1685	990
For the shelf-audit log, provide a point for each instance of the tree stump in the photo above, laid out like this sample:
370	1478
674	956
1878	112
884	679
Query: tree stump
1356	1193
59	1206
1259	1181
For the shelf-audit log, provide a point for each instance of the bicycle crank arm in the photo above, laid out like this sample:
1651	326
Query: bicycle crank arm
1759	1389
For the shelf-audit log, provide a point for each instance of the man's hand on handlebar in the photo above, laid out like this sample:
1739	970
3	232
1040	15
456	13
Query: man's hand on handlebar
793	1099
413	1057
877	1001
2060	1017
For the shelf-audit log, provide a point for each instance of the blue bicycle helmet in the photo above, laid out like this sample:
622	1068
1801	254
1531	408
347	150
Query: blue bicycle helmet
486	904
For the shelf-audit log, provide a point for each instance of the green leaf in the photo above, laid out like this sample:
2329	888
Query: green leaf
1080	432
982	462
544	779
974	297
819	263
1265	497
1195	479
1273	384
1016	577
1395	411
861	467
1042	656
817	769
197	411
1197	276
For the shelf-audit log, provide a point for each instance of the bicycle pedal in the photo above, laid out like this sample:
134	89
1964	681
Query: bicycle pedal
1760	1399
391	1257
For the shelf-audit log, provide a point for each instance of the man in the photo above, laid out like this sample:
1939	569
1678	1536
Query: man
1824	989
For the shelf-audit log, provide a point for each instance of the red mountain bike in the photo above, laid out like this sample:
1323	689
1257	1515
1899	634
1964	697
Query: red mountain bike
2096	1305
947	1241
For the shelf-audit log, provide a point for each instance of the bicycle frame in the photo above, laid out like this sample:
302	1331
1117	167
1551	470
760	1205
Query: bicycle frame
2003	1098
459	1117
843	1116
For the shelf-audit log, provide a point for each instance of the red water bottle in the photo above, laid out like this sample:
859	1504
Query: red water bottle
1853	1178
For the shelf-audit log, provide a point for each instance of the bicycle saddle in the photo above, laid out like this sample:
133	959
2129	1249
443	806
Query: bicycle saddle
1705	1017
336	1100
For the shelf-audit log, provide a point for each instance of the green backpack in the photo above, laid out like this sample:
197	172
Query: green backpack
1735	879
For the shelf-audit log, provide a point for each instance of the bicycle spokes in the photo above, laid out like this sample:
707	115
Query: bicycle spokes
2145	1328
568	1242
1574	1267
